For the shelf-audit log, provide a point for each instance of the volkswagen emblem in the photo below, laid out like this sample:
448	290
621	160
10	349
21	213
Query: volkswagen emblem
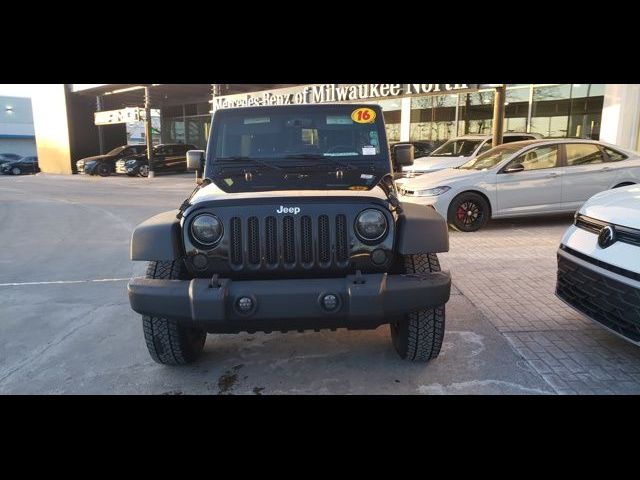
606	237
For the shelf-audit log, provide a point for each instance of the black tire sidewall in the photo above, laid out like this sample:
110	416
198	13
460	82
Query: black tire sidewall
480	201
185	342
400	327
103	170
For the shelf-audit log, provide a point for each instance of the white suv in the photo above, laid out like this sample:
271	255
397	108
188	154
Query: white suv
599	262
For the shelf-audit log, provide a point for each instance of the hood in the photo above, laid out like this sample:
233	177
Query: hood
429	164
296	175
136	156
213	192
620	206
446	177
97	158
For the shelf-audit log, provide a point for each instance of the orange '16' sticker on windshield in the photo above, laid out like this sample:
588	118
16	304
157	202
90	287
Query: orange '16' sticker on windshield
363	115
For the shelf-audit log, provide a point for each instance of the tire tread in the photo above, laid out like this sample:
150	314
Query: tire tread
168	342
425	328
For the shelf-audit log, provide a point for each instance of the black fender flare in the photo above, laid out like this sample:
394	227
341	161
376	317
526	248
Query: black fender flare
421	230
157	238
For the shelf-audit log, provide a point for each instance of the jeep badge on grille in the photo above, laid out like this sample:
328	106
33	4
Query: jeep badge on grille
294	210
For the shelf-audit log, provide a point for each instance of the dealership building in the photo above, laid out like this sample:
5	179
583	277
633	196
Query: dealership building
65	115
16	127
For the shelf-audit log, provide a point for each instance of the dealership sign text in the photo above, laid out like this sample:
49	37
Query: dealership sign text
329	93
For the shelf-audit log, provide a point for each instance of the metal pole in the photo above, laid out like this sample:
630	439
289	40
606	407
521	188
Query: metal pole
147	129
99	107
498	114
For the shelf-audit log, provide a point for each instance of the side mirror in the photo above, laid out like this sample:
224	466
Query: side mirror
195	158
403	155
516	167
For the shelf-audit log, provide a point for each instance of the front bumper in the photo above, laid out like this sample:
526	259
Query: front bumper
602	292
439	202
364	301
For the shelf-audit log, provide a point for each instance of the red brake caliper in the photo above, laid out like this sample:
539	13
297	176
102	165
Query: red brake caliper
460	213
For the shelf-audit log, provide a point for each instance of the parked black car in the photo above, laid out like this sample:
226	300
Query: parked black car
8	157
21	166
168	157
105	165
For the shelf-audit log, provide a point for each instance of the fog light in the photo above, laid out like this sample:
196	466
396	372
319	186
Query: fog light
330	302
245	304
378	257
200	261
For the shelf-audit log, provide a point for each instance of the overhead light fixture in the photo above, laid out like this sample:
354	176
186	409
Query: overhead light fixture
130	89
9	109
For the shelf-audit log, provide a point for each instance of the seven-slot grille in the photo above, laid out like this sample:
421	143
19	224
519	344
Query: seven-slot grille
289	240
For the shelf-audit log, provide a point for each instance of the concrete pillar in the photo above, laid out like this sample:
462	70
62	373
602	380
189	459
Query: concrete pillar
621	115
51	126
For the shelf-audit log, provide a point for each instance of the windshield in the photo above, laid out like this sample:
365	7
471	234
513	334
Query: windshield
289	133
457	148
115	151
490	159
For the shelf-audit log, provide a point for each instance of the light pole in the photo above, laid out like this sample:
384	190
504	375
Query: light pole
99	108
147	129
498	115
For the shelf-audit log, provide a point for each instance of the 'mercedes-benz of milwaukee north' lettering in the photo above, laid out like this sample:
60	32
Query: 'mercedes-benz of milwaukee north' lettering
331	93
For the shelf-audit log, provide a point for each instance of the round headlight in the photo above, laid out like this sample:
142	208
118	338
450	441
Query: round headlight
206	229
371	224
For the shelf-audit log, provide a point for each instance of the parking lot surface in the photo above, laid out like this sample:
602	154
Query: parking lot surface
66	326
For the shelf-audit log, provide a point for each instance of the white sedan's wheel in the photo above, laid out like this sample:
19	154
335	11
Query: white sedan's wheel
16	171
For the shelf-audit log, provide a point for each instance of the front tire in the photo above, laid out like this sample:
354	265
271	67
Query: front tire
468	212
144	171
418	336
16	171
103	170
169	342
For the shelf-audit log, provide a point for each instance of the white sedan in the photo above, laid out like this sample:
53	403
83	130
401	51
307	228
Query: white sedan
523	178
599	262
457	151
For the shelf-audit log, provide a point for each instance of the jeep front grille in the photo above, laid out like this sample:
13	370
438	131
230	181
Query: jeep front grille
271	253
323	242
236	241
307	241
342	252
288	241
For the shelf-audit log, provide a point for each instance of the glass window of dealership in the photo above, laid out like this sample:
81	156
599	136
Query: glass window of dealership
551	110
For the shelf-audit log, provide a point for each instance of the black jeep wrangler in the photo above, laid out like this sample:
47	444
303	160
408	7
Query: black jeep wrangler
295	226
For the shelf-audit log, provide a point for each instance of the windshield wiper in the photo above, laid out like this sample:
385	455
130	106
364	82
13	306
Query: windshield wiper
315	156
240	159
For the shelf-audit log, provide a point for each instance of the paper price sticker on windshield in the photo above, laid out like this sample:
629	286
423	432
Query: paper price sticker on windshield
363	115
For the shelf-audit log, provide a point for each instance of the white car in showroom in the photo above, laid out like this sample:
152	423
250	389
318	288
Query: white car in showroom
457	151
599	262
523	178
